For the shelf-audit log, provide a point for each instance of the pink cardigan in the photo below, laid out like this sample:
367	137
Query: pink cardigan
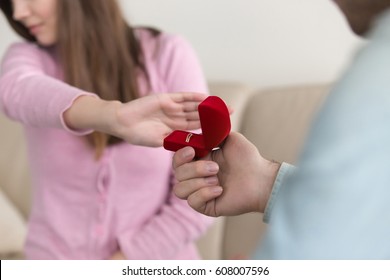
87	209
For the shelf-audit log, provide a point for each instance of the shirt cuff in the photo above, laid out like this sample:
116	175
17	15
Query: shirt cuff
63	123
284	172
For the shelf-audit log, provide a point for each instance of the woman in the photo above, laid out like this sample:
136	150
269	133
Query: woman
85	81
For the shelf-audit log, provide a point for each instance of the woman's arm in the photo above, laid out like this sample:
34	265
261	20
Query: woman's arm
29	95
157	114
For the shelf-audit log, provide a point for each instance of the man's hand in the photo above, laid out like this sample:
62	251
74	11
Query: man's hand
233	180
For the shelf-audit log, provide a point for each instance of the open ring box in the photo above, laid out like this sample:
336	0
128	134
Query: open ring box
215	123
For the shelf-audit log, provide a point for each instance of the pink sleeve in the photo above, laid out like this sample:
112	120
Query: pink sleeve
176	225
31	96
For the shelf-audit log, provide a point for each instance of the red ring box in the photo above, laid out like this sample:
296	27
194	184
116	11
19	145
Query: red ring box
215	123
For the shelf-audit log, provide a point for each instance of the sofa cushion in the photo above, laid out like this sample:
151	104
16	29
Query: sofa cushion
277	120
12	228
14	170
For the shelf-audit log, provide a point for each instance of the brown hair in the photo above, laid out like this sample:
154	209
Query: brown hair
98	51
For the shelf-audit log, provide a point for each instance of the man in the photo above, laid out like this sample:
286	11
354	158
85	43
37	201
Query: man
337	204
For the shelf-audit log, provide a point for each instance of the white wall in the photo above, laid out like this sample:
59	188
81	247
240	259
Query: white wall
259	42
7	36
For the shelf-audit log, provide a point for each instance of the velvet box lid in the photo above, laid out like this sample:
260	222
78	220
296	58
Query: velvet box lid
215	123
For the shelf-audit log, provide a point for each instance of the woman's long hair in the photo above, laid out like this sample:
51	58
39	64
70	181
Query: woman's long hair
98	52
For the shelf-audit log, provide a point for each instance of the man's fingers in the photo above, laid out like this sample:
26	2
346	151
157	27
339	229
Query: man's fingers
196	169
183	156
202	198
184	189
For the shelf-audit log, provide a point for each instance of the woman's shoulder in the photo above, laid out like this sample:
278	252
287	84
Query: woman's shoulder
27	51
32	54
157	44
26	48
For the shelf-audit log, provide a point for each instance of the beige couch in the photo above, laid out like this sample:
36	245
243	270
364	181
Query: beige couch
275	120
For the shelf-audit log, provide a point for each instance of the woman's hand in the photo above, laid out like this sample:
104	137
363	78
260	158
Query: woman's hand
148	120
144	121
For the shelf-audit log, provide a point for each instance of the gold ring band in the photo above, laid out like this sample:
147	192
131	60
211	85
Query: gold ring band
188	137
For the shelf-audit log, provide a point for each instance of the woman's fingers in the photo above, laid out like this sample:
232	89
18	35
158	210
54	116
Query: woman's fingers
192	116
190	106
187	96
192	125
